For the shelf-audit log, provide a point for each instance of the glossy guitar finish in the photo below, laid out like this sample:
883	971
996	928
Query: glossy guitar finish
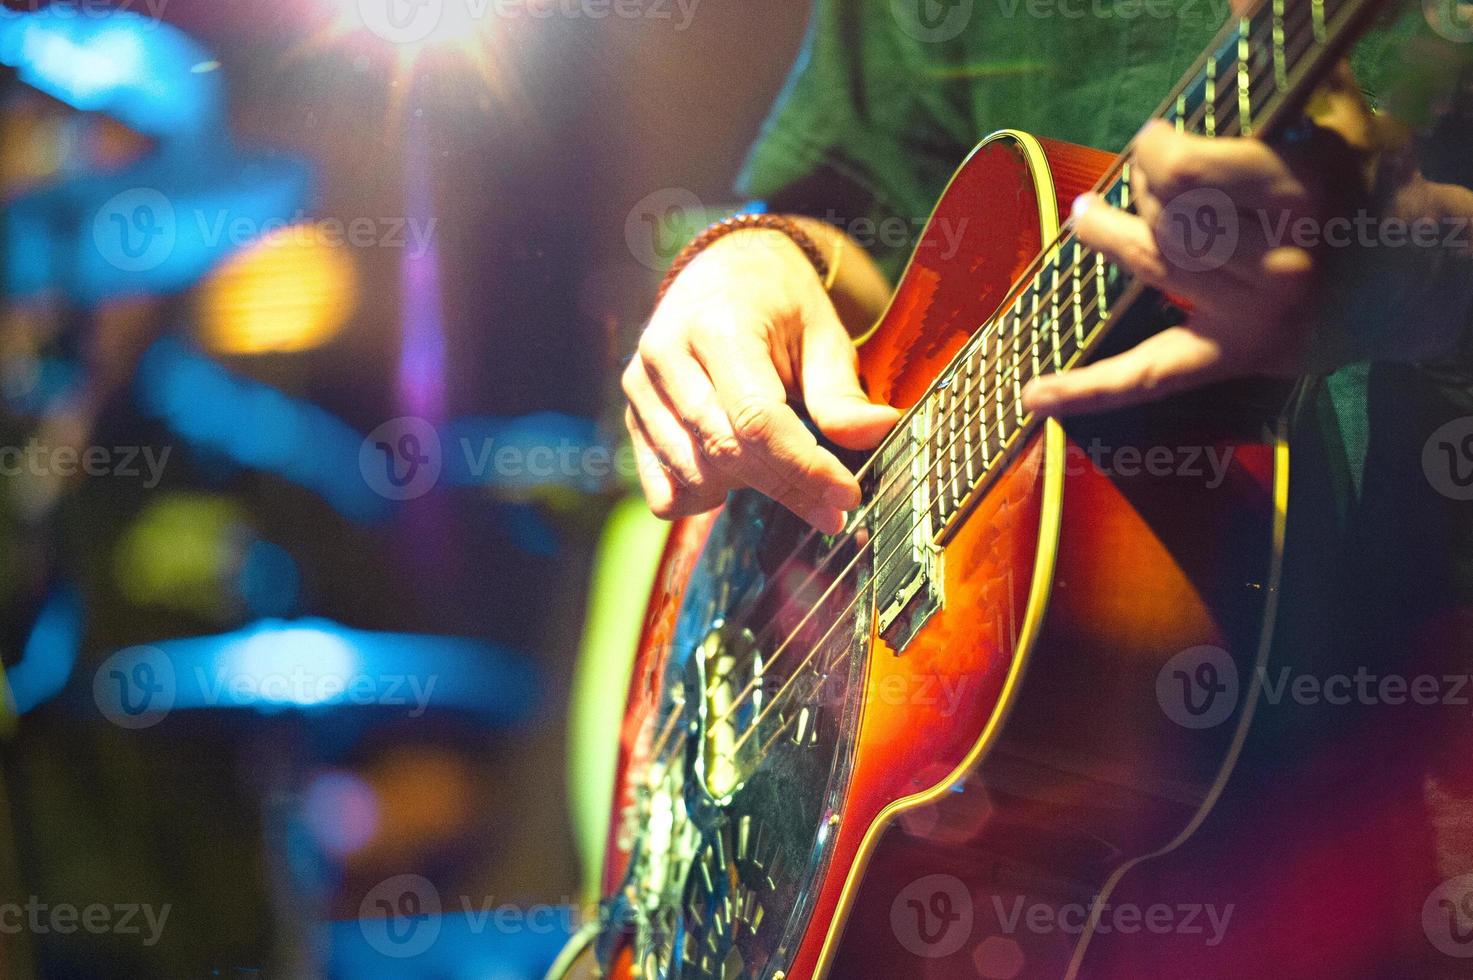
1021	742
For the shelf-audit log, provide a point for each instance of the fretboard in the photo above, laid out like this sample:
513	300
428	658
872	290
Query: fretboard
1252	81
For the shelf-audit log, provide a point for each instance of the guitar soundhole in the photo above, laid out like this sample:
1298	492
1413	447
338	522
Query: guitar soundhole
747	757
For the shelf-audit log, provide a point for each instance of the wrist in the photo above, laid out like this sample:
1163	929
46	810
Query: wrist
756	230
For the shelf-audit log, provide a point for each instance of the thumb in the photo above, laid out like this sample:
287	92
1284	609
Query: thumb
831	392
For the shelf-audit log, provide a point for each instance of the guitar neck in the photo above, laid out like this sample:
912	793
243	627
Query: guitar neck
1253	80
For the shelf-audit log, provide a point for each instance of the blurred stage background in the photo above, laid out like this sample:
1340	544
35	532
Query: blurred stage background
309	432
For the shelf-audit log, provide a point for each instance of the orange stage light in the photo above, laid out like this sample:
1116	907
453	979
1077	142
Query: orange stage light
293	290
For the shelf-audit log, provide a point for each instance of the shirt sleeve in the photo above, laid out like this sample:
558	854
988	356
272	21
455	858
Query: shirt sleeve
862	134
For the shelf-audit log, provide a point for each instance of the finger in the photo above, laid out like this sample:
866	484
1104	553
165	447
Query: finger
1178	254
779	455
667	498
695	484
1125	239
831	390
694	403
1174	360
658	487
1147	204
1248	171
678	376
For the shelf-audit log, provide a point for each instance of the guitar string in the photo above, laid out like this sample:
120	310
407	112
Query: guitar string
1037	352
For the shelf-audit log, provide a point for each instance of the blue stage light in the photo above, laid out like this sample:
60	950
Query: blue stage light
49	653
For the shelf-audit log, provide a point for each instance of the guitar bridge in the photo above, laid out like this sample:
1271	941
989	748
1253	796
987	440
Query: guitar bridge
907	573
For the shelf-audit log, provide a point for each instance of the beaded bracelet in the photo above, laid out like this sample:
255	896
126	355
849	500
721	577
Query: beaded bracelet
742	222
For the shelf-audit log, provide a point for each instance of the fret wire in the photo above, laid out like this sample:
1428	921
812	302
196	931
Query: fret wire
1017	372
1211	97
1245	101
982	404
1033	338
1001	409
1054	318
1078	294
956	462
